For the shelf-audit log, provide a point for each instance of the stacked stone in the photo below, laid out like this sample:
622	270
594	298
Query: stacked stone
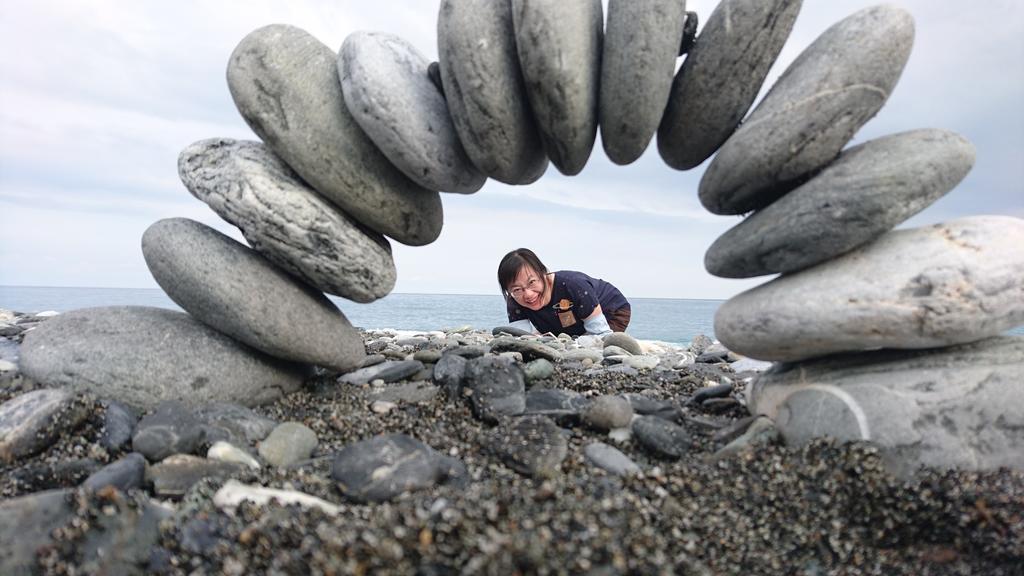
945	390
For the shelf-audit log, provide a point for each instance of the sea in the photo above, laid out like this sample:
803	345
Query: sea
676	321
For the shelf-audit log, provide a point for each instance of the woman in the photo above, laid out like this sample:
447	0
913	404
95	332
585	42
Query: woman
558	302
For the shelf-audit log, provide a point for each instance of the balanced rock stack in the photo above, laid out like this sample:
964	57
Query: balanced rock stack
356	146
849	287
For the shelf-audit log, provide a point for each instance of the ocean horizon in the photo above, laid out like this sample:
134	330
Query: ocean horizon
675	320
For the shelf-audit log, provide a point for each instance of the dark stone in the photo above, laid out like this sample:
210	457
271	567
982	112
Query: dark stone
119	422
52	475
498	387
689	32
172	429
661	437
124	474
233	423
713	357
719	405
707	392
434	73
399	370
529	349
449	372
383	467
469	352
531	445
31	422
509	330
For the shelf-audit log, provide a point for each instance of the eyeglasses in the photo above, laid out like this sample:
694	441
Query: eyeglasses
517	291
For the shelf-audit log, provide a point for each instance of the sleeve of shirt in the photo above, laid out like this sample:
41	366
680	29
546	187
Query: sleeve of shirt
584	297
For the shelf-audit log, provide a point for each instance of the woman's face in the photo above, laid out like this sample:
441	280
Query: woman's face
528	288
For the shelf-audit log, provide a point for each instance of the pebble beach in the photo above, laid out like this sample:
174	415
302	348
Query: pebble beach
707	496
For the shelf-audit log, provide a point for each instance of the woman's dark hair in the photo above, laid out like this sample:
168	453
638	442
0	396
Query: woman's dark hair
513	262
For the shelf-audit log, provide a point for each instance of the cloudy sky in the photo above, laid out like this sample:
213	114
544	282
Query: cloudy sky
98	97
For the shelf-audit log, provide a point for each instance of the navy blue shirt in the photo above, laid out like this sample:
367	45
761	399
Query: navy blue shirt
574	296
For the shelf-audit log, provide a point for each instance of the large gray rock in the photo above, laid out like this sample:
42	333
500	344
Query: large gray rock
234	290
641	43
938	285
721	76
484	87
955	407
31	422
286	220
143	355
559	45
387	90
836	85
285	84
867	191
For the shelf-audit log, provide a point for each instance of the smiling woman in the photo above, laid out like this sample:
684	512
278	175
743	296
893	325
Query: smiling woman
558	302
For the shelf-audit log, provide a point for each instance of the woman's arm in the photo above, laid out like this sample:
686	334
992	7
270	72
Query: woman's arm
524	324
596	323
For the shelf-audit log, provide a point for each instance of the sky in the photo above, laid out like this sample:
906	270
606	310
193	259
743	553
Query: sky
98	97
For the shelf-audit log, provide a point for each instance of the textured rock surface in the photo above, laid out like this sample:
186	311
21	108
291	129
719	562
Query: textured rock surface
285	84
25	527
636	76
868	190
234	290
286	220
386	87
955	407
559	46
836	85
31	422
484	87
383	467
610	458
143	355
498	387
950	283
289	443
171	429
531	445
721	76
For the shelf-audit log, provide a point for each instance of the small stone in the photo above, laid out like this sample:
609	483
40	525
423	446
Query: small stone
531	445
712	391
382	467
661	437
427	356
761	432
610	458
123	474
227	452
537	370
31	422
411	393
612	350
382	407
510	331
449	372
529	349
608	412
173	476
119	422
624	341
642	362
233	423
233	493
289	443
172	429
498	388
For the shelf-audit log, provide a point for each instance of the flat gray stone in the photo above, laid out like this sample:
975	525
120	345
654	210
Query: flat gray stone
721	76
559	46
232	289
610	459
939	285
484	87
285	84
410	392
581	354
124	474
661	437
287	221
956	407
31	422
865	192
389	371
172	477
836	85
383	467
386	87
497	387
233	423
449	373
142	356
636	76
289	443
624	341
531	445
119	421
530	349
